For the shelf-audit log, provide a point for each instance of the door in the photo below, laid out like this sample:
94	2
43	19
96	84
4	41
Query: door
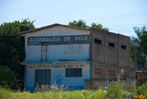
42	78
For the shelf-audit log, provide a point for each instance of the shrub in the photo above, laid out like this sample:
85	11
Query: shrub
101	94
142	90
6	76
115	90
4	93
133	88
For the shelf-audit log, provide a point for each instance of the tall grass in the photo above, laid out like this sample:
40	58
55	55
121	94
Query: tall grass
114	91
84	94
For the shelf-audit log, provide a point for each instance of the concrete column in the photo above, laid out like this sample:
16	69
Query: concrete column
105	55
118	57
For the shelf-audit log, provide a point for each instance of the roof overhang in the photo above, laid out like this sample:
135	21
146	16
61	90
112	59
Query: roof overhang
51	26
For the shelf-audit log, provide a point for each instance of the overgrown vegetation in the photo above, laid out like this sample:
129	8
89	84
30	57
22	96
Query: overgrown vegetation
82	24
12	46
114	91
142	90
140	41
6	76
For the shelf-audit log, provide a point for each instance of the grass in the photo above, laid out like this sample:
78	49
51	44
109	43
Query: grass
114	91
84	94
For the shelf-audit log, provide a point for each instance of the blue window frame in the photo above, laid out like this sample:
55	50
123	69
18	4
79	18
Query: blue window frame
73	72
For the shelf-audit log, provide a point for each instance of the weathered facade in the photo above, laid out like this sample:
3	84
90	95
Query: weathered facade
56	54
75	57
110	58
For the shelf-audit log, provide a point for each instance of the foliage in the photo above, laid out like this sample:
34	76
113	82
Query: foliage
101	94
82	24
140	41
99	26
79	23
143	42
142	90
5	93
115	90
133	88
6	76
12	45
84	94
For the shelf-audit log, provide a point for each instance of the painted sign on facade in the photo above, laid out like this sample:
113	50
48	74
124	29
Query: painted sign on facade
58	66
58	40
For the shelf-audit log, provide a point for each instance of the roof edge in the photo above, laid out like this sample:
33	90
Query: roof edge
50	26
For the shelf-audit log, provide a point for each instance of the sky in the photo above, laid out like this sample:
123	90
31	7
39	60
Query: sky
120	16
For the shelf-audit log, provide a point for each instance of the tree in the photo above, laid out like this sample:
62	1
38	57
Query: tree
99	26
6	76
12	45
140	41
143	43
79	23
82	24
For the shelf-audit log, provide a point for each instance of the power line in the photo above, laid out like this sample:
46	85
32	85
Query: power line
118	16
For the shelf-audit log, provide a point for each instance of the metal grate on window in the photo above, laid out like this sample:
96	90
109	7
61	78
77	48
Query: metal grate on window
73	72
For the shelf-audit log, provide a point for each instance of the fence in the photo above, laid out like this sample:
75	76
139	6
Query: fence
141	78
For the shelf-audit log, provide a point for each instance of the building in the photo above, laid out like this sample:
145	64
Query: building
56	54
72	56
110	58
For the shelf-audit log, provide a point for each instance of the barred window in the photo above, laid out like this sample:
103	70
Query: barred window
73	72
42	77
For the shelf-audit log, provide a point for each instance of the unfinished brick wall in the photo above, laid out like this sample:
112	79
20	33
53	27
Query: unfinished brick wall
110	53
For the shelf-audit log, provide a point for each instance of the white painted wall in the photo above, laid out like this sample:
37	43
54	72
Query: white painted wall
56	52
67	81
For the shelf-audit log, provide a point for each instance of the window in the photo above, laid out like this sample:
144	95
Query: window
123	46
98	71
111	72
42	77
97	41
73	72
111	44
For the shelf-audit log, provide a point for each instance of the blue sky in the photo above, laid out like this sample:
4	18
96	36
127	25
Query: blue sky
120	16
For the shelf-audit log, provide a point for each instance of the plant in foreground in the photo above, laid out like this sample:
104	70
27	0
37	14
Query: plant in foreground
115	90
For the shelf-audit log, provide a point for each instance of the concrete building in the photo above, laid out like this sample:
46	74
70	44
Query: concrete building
56	54
110	59
61	54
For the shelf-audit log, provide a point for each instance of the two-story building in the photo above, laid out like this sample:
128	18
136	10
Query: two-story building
56	54
75	57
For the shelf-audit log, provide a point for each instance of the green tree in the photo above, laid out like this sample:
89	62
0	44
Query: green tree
82	24
143	43
6	76
99	26
12	45
140	41
79	23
